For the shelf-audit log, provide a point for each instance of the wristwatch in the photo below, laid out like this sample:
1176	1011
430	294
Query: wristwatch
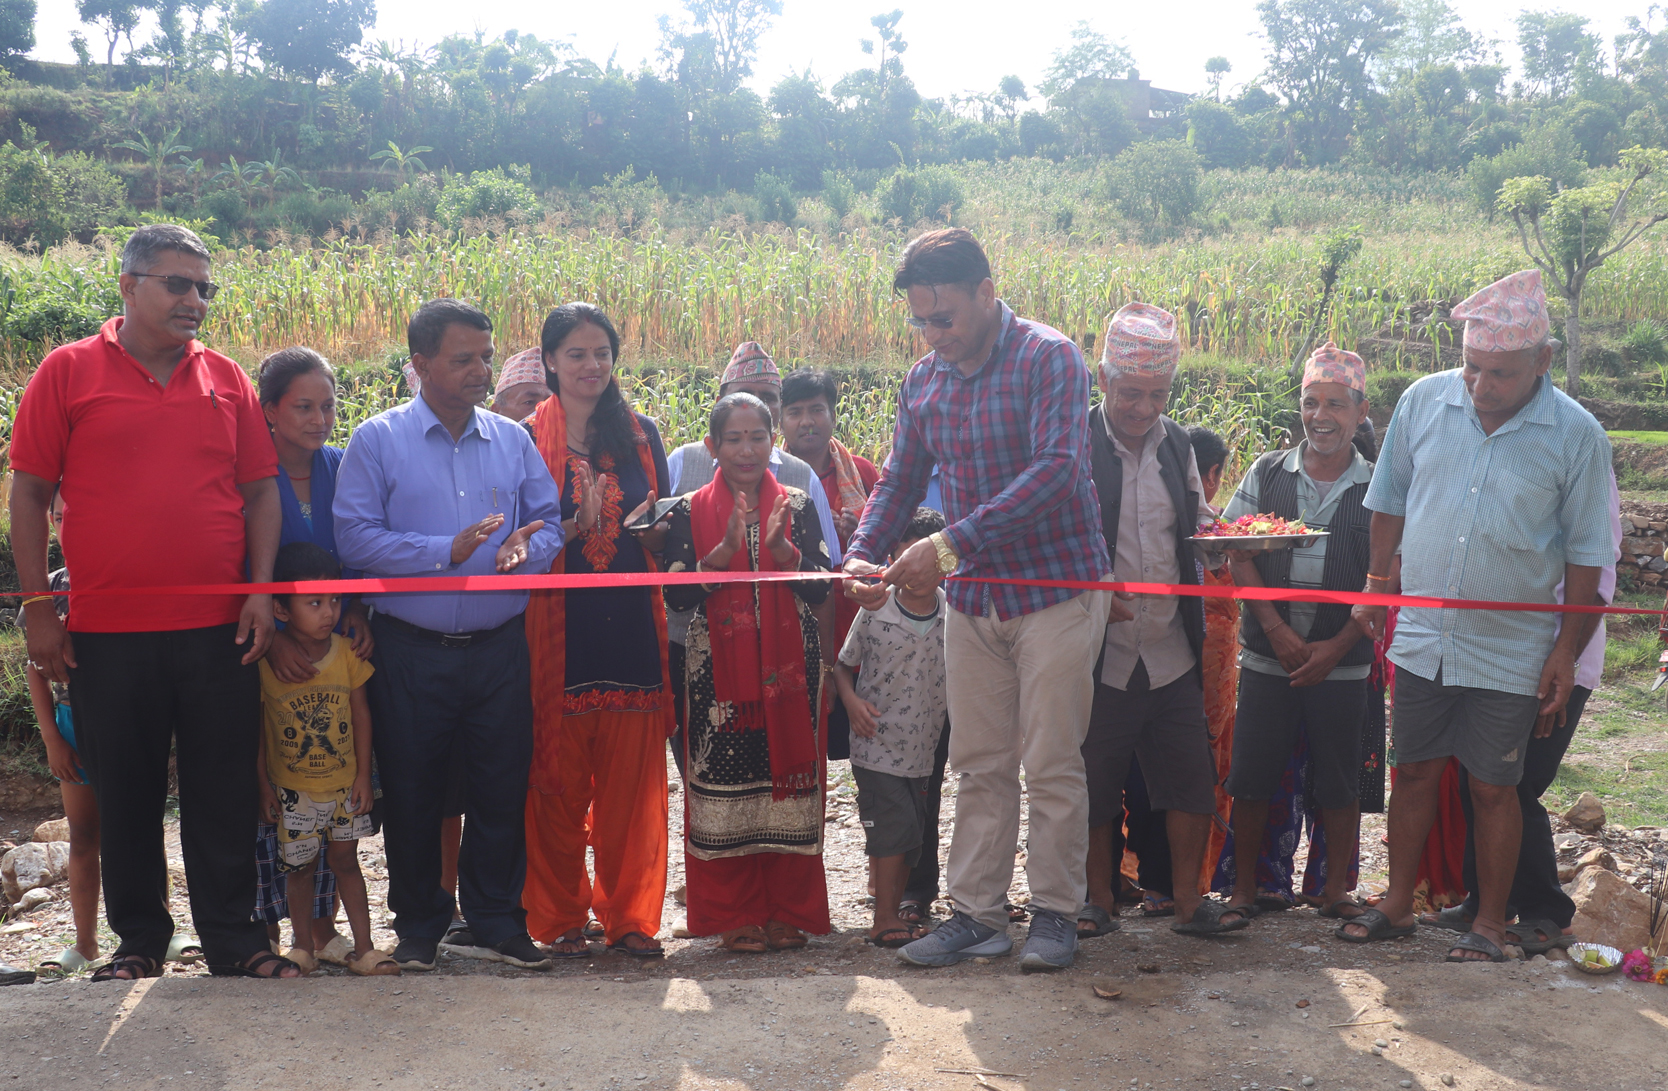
947	559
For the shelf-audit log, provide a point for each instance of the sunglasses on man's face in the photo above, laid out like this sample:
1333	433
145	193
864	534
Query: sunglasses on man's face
935	322
180	285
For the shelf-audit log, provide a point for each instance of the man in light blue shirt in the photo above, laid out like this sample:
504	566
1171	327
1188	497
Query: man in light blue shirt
1495	485
440	487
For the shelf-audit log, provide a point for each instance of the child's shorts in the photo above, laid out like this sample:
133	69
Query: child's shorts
306	818
893	811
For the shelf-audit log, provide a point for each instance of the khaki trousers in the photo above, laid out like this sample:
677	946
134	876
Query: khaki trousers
1020	693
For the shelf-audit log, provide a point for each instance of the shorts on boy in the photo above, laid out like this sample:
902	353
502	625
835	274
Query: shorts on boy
305	819
272	903
1166	729
1486	729
894	811
1270	715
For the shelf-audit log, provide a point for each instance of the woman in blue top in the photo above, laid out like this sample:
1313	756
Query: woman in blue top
298	394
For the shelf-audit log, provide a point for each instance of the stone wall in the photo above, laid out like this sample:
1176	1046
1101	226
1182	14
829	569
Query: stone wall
1644	536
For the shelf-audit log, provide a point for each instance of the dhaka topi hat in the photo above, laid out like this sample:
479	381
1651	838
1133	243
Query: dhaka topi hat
750	363
1508	315
1141	340
1331	364
526	366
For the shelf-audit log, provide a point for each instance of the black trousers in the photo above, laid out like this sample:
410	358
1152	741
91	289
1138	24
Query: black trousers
433	707
1536	892
135	694
922	884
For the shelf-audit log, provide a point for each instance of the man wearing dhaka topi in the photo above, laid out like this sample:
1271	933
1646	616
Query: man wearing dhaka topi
1496	486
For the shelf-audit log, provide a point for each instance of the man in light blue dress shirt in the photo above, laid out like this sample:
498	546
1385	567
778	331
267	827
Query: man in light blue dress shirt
441	487
1496	486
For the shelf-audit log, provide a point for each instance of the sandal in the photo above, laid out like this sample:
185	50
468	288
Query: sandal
128	967
372	963
641	951
1017	913
1378	926
593	929
1100	922
1454	919
262	964
338	952
1207	920
895	937
1332	913
749	940
65	962
184	949
912	911
1537	937
1479	943
1268	901
304	959
571	947
1157	905
784	937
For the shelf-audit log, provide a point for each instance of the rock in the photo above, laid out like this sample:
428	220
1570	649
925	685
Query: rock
55	829
1447	1079
1642	547
1566	872
32	898
1587	815
32	865
1609	911
1569	839
1596	857
1659	527
1308	1081
1657	565
1638	522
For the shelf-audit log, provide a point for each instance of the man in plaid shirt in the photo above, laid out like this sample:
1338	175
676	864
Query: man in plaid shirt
1001	406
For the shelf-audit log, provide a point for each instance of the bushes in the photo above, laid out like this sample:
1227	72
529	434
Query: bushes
775	197
47	198
486	195
1550	152
919	193
53	304
1156	183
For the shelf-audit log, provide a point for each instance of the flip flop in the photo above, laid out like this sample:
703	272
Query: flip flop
1157	905
894	938
65	962
1474	941
137	965
13	975
784	937
1207	920
1550	936
911	911
1017	913
304	959
1453	919
250	967
1273	903
1378	927
747	940
338	952
594	930
373	963
1101	922
184	949
623	948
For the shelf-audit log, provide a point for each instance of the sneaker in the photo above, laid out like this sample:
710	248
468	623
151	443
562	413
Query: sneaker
1052	943
959	938
416	954
520	951
460	943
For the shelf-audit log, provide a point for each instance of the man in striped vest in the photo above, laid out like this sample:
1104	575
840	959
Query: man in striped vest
1304	665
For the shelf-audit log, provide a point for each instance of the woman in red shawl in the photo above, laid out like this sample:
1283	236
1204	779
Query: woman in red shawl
753	815
602	701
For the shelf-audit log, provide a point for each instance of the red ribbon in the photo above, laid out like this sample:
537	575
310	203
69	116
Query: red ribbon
442	584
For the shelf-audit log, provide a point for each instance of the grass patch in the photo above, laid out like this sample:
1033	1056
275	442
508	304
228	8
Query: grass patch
1655	439
1634	795
1624	654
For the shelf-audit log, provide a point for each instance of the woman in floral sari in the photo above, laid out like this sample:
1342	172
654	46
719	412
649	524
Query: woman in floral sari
753	816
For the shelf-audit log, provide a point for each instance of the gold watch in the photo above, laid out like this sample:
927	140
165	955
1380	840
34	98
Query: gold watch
947	559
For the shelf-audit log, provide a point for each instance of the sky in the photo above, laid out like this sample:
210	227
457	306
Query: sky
955	46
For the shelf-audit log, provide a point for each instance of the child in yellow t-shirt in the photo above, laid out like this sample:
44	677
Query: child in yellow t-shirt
315	766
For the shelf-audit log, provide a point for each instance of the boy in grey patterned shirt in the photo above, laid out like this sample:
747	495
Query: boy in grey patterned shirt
891	679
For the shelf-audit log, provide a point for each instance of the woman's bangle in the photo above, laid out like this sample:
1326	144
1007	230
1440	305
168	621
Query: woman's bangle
35	598
1380	579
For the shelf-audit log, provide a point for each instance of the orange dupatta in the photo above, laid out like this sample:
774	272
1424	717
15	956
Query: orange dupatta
547	631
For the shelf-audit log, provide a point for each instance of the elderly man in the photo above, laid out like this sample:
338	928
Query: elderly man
521	386
440	487
1495	485
1149	698
169	477
1001	405
1304	666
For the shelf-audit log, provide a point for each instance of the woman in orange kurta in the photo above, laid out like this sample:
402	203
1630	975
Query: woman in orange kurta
1221	655
602	703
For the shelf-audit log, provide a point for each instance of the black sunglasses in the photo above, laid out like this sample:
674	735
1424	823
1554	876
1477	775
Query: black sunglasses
181	285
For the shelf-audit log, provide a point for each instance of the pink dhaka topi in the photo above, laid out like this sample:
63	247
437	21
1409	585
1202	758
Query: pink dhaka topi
1331	364
1141	340
1506	316
751	363
526	366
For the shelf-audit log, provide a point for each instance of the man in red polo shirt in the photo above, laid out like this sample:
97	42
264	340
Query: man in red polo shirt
169	477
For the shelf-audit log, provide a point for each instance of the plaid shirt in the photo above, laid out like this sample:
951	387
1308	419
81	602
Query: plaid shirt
1012	445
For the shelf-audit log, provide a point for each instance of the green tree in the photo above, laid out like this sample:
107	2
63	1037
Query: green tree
1556	46
155	153
1091	55
310	38
725	32
1320	57
116	18
1218	134
1572	232
402	159
17	27
1010	92
1215	70
1432	35
888	43
1156	183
